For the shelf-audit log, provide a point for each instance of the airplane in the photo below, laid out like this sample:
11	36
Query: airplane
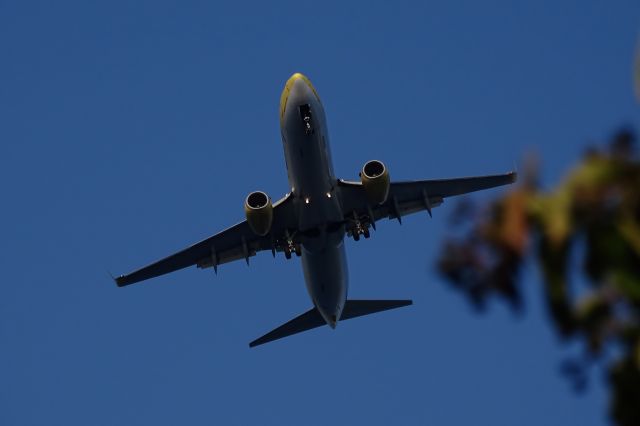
313	219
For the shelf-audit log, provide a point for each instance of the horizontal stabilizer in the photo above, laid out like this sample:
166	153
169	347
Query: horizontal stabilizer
357	308
312	318
307	321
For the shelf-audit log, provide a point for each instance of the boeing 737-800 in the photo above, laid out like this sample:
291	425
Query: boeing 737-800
314	218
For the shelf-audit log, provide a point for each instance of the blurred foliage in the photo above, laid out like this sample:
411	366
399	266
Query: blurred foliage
584	234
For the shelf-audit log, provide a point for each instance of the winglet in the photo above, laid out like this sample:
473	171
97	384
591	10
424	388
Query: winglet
113	277
514	173
120	281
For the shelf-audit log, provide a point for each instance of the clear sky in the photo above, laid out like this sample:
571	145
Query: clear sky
129	130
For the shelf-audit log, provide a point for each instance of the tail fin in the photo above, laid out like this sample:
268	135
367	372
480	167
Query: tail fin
312	318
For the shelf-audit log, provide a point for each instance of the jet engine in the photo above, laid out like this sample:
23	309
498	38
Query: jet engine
375	180
259	212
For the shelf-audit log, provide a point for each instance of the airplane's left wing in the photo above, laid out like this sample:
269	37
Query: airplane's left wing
412	196
234	243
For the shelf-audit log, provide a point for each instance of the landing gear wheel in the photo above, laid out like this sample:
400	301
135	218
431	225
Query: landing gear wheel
298	250
365	232
356	236
287	253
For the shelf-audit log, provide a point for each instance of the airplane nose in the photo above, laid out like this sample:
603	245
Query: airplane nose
298	89
298	77
301	90
301	86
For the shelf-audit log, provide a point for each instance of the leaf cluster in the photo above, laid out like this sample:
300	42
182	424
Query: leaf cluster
584	235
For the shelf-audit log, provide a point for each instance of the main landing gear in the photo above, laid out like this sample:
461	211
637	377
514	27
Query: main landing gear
358	228
291	247
294	248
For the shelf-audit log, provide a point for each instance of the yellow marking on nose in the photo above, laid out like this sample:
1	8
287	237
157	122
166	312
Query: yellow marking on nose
287	88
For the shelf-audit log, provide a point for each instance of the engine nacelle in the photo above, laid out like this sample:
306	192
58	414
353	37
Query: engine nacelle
375	180
259	212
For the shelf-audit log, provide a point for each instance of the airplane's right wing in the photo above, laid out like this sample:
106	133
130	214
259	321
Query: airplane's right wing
237	242
413	196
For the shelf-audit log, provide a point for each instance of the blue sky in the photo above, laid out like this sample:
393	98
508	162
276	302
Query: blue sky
129	130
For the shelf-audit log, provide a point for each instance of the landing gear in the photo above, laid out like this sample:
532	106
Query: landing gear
307	125
291	247
359	228
305	114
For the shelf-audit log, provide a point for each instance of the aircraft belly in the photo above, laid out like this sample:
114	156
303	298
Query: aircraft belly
314	188
309	168
326	277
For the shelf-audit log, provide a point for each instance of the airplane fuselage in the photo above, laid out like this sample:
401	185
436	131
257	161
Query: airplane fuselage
313	184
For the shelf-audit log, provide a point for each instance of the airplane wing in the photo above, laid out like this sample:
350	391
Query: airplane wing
234	243
412	196
240	242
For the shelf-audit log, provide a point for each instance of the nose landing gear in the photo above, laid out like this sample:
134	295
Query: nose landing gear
305	114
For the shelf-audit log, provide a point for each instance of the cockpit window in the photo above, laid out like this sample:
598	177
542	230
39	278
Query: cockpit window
305	115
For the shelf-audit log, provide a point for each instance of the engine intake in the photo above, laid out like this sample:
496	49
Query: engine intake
259	212
375	180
